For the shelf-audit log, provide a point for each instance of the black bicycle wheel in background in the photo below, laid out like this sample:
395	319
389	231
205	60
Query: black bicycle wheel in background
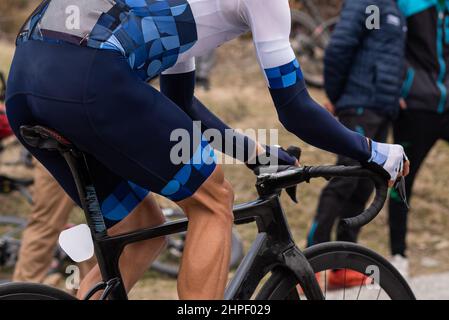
32	291
309	41
328	257
10	229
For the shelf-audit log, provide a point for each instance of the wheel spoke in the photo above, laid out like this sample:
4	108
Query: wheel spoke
378	295
325	284
360	289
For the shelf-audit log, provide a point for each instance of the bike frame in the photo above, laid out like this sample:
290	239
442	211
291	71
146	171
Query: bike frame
273	247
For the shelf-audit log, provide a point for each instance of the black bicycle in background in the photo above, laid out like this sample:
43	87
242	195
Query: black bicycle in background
11	226
291	272
310	35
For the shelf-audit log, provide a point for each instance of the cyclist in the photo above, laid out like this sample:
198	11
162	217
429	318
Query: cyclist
80	67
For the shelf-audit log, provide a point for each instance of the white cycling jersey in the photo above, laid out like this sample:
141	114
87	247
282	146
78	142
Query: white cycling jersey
190	28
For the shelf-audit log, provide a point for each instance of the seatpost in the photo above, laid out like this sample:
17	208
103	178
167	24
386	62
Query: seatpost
88	197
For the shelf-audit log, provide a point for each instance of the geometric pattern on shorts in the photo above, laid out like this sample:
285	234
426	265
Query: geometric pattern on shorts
122	201
190	177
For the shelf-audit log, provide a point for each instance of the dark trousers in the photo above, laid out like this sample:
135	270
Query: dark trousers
347	197
417	131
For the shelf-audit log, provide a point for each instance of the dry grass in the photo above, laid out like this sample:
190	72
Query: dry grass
240	97
6	51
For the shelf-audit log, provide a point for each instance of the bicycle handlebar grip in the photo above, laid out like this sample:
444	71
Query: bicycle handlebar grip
373	210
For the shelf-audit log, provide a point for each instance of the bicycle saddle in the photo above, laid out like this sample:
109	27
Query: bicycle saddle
44	138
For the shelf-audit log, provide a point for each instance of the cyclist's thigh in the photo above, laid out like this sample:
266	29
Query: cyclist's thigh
144	136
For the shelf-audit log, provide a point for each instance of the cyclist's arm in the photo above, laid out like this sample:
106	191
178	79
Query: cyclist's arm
297	111
178	85
343	46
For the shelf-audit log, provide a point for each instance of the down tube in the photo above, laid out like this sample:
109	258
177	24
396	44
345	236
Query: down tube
249	273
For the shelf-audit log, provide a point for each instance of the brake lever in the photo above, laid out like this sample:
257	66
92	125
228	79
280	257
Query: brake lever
292	191
399	186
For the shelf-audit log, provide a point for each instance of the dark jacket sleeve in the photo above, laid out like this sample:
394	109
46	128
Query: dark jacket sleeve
343	46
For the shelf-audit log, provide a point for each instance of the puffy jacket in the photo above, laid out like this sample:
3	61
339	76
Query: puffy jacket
427	54
364	67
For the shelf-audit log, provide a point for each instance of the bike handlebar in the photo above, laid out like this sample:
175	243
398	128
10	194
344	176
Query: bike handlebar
270	183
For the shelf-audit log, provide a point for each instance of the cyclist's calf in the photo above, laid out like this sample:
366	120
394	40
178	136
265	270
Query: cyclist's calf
205	264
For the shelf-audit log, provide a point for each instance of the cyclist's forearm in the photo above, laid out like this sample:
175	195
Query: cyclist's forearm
232	143
180	88
302	116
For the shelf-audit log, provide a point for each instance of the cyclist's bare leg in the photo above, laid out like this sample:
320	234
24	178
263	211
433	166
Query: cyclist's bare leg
136	257
205	264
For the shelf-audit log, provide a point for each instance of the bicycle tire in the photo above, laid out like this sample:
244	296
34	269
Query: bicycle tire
337	255
32	291
15	224
17	221
172	270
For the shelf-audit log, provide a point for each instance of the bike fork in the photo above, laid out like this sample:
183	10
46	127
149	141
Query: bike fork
295	260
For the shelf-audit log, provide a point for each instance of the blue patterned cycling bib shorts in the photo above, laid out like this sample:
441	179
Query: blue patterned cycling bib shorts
89	83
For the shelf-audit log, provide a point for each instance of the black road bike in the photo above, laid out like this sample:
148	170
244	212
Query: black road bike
291	272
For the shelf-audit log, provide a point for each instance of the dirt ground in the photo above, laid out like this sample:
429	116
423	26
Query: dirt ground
240	97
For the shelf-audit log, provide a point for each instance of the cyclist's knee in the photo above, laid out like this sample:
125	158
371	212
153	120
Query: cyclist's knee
215	196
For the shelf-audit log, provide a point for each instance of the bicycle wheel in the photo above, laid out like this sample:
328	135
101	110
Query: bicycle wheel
10	229
32	291
329	257
168	262
309	41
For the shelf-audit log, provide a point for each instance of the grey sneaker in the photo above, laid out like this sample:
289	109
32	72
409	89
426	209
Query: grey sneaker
401	264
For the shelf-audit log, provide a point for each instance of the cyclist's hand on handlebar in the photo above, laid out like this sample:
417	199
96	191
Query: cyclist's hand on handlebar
389	159
272	156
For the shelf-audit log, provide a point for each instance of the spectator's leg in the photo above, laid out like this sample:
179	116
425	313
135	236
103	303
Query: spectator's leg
417	132
49	216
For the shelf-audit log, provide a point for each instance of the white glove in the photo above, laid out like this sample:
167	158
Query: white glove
390	157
